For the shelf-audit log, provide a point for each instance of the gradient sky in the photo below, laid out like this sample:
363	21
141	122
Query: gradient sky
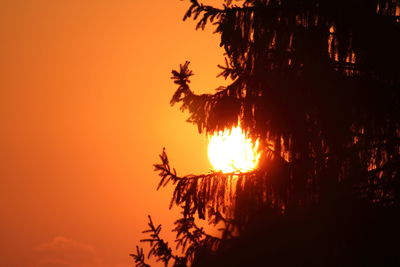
84	112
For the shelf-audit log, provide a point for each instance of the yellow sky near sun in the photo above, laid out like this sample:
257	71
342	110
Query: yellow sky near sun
84	113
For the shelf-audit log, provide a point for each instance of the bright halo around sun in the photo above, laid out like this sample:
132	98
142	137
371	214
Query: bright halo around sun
232	151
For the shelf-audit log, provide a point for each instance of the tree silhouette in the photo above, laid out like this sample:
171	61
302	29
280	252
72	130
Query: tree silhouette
317	82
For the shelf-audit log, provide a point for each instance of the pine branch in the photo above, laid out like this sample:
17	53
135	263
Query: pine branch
190	238
228	70
188	231
194	193
159	248
208	13
139	258
205	109
167	175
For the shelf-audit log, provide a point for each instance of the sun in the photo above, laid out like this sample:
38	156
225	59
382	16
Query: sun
232	151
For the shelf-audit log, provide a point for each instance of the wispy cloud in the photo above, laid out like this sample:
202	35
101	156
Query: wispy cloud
61	243
65	252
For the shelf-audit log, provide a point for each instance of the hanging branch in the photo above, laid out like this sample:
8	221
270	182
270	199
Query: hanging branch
190	238
197	193
223	196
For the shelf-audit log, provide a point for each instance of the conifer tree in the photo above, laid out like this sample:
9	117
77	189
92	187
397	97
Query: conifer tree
317	83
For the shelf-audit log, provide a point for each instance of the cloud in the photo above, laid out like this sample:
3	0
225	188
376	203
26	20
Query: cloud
53	263
64	252
60	243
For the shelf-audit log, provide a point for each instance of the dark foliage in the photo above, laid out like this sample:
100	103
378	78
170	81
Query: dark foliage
317	82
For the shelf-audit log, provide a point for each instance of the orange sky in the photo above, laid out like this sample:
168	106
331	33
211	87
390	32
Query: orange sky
84	112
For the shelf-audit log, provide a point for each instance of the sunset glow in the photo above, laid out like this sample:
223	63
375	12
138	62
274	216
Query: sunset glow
231	150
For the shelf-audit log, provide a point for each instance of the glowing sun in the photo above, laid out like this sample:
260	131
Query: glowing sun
232	151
